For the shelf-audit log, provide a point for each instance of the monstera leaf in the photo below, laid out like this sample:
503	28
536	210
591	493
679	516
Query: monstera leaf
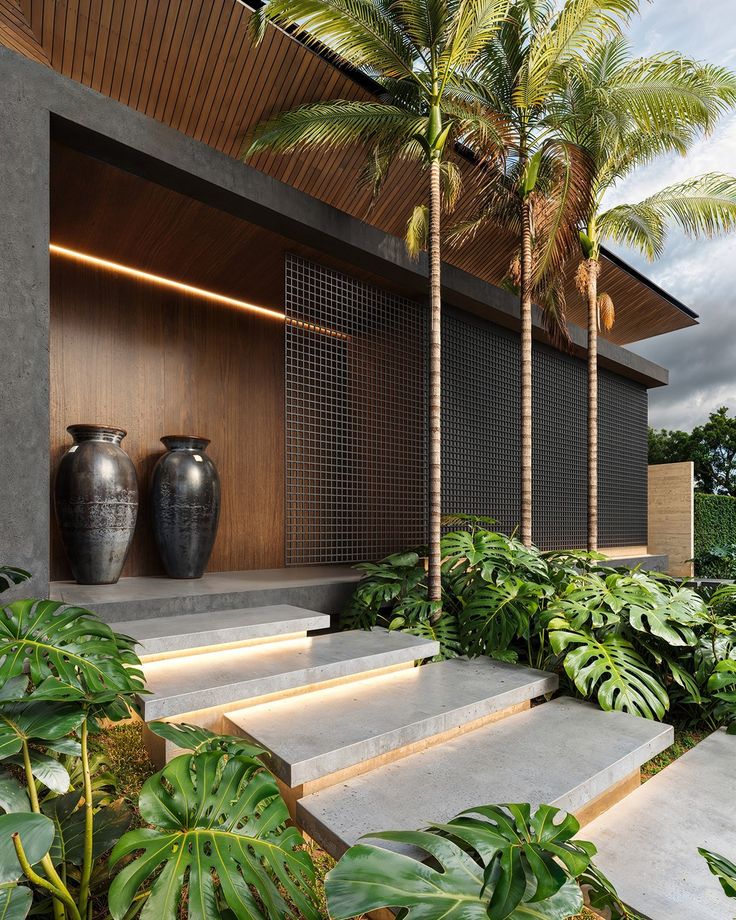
33	721
723	869
497	612
606	664
486	868
218	834
69	653
67	814
197	740
9	576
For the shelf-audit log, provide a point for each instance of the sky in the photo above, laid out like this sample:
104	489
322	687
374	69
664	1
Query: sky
701	274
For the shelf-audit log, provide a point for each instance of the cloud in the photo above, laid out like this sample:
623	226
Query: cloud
702	274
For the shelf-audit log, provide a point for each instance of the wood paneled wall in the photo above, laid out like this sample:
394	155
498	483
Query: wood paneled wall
156	362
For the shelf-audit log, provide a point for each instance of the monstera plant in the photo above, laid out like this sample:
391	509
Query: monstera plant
217	838
494	862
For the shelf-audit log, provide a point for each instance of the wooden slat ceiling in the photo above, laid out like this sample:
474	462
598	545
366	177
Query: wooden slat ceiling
191	65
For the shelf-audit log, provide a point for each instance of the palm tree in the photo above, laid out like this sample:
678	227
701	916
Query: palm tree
419	52
541	193
627	112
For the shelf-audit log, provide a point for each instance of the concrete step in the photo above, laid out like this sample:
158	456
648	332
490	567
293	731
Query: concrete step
315	738
226	679
325	588
648	843
167	636
563	753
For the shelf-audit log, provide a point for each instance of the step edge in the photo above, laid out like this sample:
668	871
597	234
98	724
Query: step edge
252	630
363	665
307	770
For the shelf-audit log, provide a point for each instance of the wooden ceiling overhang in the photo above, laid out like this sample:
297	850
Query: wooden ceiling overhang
191	65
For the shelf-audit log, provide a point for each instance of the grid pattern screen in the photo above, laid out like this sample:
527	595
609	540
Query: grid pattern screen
481	413
355	413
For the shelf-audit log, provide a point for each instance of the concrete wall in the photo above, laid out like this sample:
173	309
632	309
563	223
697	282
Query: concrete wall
671	515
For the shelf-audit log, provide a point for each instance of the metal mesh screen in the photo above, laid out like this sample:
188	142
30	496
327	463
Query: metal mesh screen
481	439
355	413
622	458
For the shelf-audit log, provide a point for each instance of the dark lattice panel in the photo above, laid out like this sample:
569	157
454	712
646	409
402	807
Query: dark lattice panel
622	459
481	439
559	432
355	418
480	420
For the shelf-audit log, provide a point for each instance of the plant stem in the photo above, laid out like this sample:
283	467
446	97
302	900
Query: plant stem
56	892
86	874
46	862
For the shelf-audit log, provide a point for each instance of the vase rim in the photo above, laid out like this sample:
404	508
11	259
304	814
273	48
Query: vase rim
184	442
93	432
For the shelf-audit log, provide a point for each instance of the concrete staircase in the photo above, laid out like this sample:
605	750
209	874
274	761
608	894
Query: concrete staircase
362	740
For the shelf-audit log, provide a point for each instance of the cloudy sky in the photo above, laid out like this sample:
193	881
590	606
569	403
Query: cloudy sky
702	360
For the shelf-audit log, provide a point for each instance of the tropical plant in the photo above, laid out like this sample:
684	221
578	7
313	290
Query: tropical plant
723	869
217	839
716	562
419	56
217	844
494	861
62	670
541	192
625	112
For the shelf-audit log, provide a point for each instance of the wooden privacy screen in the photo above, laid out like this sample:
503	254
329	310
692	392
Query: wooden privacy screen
156	362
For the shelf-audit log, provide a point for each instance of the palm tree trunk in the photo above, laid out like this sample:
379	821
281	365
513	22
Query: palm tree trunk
526	374
434	575
592	294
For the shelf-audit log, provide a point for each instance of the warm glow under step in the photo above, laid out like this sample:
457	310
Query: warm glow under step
160	636
343	727
180	686
564	753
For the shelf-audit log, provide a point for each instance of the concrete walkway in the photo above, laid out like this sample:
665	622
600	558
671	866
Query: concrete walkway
648	843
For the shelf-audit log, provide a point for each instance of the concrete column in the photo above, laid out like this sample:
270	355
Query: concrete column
24	335
671	515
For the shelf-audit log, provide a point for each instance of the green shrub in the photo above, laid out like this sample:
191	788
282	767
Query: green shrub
715	526
630	641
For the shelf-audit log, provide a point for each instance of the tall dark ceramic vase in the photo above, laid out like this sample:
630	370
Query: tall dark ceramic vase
96	499
185	501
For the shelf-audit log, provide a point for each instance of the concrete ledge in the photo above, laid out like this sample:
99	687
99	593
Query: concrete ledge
167	636
321	736
325	589
229	678
564	753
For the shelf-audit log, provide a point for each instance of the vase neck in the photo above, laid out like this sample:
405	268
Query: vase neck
184	442
96	433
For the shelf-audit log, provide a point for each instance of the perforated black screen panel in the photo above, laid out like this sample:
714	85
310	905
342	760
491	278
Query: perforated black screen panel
481	439
355	418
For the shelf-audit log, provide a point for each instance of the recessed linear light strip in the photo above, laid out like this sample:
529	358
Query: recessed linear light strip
190	289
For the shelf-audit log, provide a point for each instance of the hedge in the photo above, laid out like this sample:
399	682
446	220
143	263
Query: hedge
715	522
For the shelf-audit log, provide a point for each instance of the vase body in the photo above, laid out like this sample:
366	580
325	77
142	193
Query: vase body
185	503
96	500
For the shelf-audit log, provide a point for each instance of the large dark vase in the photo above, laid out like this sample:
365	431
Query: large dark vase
96	497
185	501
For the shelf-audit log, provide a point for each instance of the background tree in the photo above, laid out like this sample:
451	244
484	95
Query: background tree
627	112
420	53
711	447
541	193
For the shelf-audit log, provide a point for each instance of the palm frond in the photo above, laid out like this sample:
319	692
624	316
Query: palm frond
334	124
361	32
417	230
575	29
475	24
425	20
702	206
